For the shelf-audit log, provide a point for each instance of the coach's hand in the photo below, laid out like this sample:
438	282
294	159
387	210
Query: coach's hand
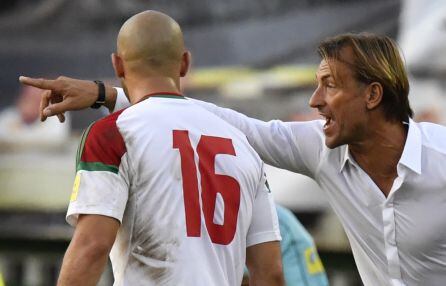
65	94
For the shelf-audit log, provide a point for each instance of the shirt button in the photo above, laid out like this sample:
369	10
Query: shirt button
391	242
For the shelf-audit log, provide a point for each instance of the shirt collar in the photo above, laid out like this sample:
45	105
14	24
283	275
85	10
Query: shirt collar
411	157
345	158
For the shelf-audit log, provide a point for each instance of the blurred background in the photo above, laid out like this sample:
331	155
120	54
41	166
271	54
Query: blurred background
255	56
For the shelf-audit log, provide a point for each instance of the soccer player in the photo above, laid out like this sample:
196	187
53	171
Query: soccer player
383	173
175	193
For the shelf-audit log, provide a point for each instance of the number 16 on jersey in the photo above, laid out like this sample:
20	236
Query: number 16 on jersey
211	184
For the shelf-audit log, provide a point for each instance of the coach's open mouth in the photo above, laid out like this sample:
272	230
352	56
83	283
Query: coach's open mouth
329	122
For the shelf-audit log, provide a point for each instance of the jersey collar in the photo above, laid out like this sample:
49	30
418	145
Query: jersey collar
162	94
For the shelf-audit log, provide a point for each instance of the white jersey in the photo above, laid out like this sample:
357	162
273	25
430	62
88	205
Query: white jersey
186	186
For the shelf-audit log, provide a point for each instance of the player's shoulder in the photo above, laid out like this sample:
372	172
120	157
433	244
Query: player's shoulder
108	121
104	126
102	142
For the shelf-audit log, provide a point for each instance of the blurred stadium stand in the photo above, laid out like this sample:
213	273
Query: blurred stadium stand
75	38
256	56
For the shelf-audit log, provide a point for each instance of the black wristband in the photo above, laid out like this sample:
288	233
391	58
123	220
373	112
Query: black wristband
101	95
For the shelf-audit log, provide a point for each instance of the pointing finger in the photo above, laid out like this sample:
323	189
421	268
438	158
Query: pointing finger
38	82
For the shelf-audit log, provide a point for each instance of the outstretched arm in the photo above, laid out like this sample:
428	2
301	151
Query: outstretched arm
295	146
66	94
87	254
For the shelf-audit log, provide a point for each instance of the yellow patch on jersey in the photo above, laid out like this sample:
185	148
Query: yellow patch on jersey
77	183
314	263
2	282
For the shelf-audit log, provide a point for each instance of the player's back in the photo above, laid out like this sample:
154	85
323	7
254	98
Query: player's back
193	183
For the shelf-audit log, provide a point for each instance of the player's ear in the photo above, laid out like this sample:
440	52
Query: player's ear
118	65
185	63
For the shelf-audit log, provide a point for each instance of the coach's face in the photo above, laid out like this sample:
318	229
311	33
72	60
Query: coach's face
340	99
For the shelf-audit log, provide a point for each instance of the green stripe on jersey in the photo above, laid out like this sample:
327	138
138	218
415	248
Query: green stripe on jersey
168	96
96	166
80	148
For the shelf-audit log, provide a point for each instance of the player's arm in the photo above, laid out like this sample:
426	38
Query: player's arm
98	201
263	255
264	263
87	253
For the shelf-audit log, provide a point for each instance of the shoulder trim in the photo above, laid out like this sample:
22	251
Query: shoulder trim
80	148
97	166
102	146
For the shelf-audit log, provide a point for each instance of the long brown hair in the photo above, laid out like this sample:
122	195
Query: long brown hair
376	59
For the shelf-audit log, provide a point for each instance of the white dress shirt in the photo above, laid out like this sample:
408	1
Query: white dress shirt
398	240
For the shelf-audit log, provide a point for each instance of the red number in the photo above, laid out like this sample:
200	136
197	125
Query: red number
190	186
211	184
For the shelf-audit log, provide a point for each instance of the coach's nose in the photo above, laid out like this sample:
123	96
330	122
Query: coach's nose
317	98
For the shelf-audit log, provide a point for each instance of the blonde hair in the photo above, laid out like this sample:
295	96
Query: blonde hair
376	59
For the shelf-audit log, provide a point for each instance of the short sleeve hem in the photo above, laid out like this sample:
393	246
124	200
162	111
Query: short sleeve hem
73	213
262	237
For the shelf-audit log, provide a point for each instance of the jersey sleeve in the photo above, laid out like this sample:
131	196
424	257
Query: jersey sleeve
264	224
295	146
102	179
121	100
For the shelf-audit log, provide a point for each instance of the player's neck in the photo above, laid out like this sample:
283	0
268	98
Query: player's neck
138	89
